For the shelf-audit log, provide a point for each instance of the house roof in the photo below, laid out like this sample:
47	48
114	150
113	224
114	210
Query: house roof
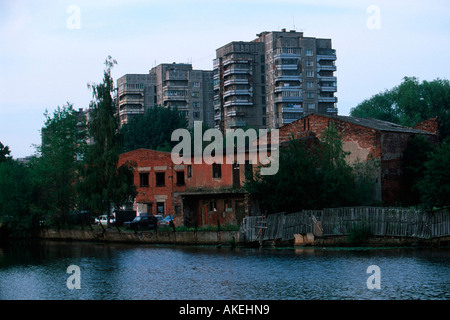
376	124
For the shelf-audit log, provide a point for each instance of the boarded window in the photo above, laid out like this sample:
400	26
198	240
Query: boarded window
180	178
143	179
160	179
217	170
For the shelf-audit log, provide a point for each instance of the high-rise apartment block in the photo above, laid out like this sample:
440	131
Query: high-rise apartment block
273	80
277	78
168	85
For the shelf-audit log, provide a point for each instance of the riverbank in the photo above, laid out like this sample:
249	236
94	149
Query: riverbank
230	238
145	237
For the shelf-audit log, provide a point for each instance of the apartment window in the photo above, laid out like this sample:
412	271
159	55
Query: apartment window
311	106
310	95
180	178
196	115
309	52
189	171
309	63
143	179
309	84
160	179
217	170
310	74
196	104
196	94
196	84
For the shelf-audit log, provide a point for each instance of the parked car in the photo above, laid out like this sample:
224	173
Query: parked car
142	222
104	220
166	221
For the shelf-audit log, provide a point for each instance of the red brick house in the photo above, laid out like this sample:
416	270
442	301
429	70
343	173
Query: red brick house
368	138
195	194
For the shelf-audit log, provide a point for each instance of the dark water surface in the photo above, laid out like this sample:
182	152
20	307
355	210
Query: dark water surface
38	271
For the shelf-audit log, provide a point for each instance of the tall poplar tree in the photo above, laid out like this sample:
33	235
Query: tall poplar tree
56	169
104	185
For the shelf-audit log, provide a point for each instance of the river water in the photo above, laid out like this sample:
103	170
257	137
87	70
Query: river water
39	271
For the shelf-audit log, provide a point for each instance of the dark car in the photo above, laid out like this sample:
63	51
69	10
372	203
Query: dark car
142	222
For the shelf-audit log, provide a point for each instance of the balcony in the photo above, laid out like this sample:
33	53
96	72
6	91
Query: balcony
288	99
131	101
287	121
287	56
328	88
175	98
332	110
292	109
216	105
235	113
328	99
216	63
297	77
231	60
237	93
235	81
237	124
321	67
327	78
217	116
287	88
238	102
287	67
236	71
331	57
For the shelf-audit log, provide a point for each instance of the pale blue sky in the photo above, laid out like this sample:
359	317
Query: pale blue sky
44	64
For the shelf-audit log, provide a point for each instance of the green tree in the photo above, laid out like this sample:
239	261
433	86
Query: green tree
416	154
296	185
312	175
434	187
338	179
409	103
153	130
16	199
57	167
104	185
4	153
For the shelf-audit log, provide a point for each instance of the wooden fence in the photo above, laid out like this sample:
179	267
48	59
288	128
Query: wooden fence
397	222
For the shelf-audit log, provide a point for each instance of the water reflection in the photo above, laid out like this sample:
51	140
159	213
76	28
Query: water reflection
37	270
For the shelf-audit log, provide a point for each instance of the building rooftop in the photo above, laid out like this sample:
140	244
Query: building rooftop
372	123
379	125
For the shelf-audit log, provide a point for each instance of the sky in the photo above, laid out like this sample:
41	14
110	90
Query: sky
51	50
